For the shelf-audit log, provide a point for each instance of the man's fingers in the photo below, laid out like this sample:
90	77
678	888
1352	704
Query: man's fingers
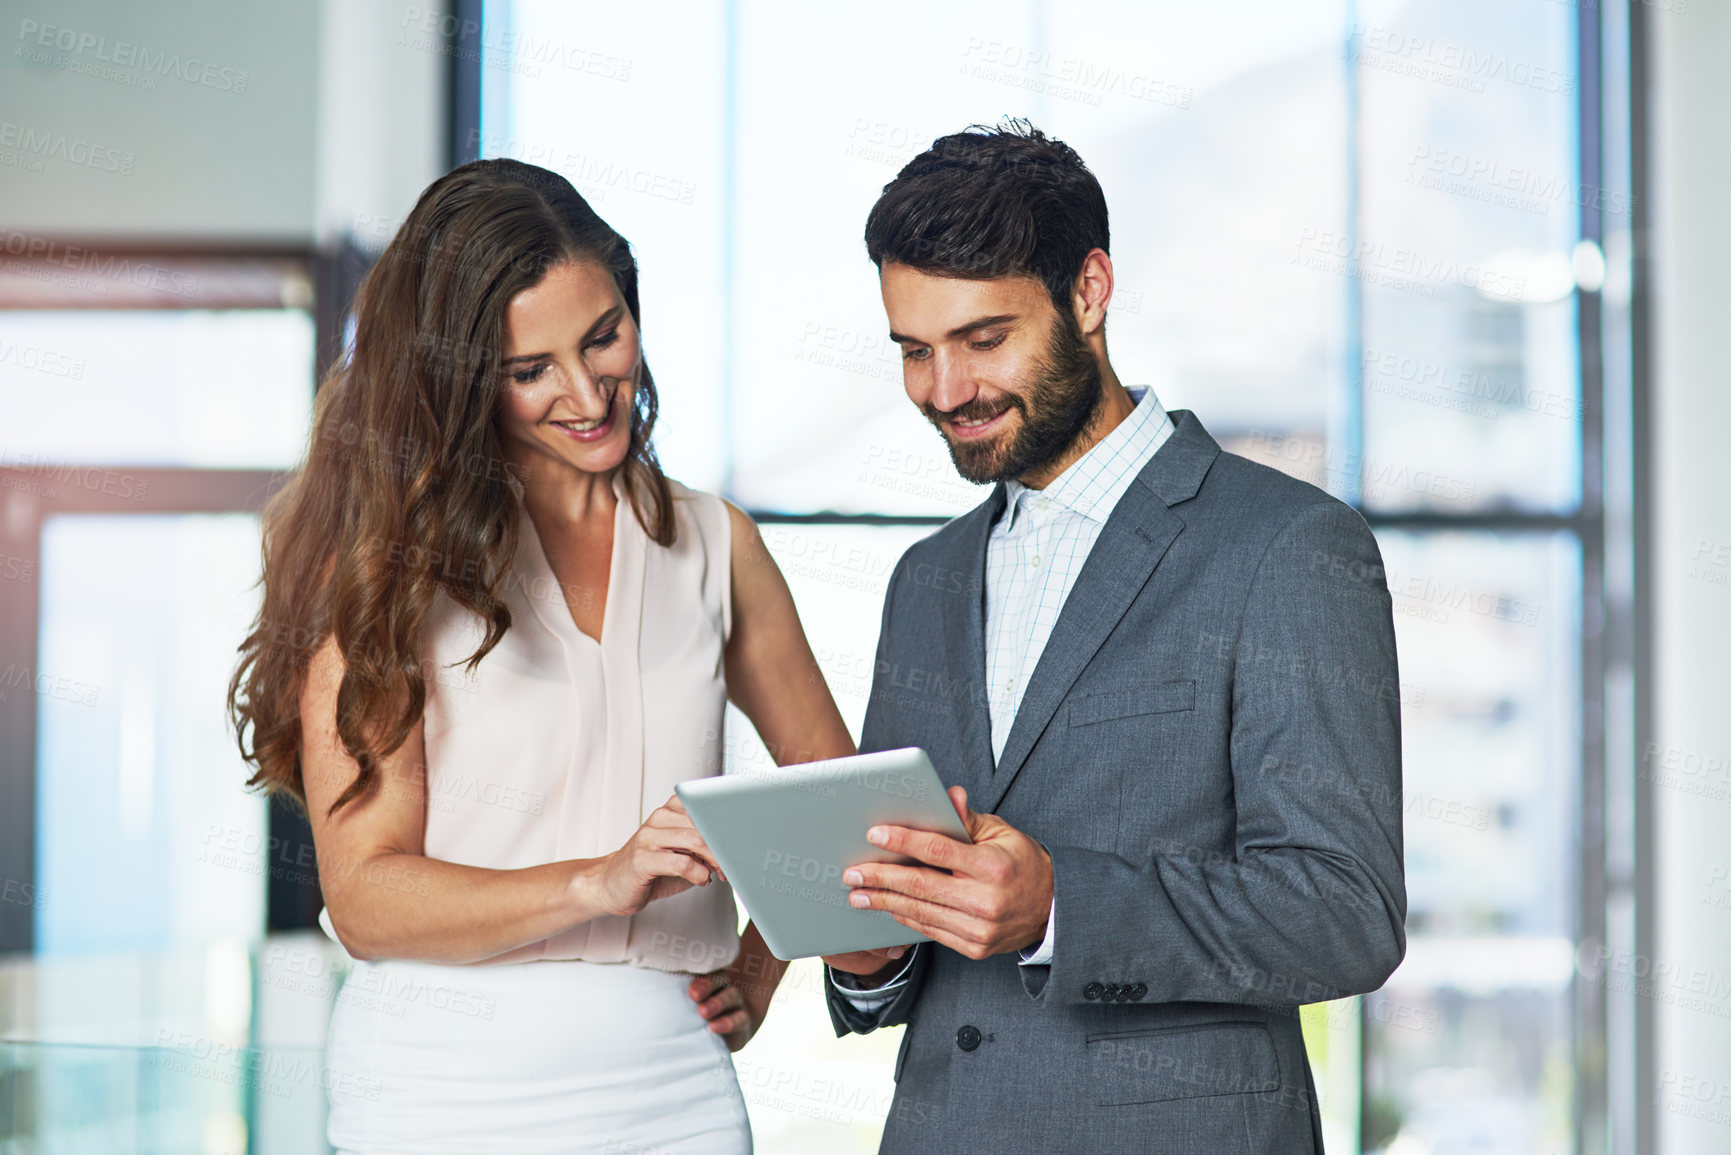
942	924
917	881
932	849
903	907
865	962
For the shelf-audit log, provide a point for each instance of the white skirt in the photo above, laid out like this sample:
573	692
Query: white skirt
526	1058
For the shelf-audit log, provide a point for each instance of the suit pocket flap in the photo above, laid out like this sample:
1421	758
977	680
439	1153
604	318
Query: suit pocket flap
1160	698
1182	1063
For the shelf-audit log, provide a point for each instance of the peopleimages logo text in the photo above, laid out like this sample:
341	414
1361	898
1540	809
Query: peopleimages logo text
125	54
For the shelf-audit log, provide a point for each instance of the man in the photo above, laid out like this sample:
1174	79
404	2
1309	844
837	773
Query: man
1160	682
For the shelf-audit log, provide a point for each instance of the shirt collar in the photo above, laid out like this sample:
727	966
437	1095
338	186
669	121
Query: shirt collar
1094	482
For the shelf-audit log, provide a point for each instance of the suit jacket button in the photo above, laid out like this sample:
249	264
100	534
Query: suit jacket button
1138	992
968	1038
1109	993
1092	991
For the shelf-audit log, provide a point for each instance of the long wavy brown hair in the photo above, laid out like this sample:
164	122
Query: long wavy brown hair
405	490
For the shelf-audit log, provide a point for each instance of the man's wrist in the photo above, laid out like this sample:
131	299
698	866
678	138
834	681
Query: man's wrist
885	976
1040	953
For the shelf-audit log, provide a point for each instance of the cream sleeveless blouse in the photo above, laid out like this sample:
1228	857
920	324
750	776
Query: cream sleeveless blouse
558	746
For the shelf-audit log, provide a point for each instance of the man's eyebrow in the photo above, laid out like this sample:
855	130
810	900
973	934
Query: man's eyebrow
605	319
959	330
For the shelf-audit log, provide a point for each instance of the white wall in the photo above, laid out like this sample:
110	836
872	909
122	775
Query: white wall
381	127
214	120
1691	767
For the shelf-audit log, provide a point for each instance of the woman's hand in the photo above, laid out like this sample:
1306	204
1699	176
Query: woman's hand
665	857
725	1008
735	1001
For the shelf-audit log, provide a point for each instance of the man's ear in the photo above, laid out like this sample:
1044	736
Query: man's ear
1093	291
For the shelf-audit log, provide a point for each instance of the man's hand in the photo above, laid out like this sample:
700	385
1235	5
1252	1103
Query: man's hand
982	899
874	967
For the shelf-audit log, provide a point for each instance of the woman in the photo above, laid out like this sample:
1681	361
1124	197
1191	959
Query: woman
524	636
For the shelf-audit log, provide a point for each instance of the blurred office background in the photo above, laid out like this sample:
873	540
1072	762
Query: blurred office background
1461	262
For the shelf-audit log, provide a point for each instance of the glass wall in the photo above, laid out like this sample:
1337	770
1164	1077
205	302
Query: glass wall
1346	234
147	420
139	603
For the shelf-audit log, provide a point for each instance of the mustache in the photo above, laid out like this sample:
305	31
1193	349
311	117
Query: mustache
979	409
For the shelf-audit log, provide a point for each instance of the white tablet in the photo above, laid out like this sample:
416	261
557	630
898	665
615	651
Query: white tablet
784	836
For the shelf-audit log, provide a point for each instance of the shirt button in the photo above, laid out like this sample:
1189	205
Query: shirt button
1036	562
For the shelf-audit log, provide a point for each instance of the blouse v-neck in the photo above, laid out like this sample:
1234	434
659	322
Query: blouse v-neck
540	566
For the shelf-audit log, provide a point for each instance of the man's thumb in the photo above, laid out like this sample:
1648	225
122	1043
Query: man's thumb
959	798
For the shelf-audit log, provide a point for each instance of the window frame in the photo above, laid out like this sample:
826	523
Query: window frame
1609	525
31	494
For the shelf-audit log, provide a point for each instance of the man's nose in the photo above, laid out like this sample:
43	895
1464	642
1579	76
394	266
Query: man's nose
951	388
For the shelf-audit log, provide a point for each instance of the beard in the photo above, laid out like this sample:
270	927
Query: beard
1058	400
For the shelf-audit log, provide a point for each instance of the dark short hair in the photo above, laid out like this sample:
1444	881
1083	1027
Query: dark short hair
992	202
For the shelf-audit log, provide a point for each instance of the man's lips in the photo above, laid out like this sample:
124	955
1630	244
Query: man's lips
972	431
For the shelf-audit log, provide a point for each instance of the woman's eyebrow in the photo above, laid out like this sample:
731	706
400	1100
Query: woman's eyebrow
601	322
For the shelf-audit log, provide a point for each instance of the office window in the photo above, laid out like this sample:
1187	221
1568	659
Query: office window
153	402
1352	237
1466	254
139	798
195	388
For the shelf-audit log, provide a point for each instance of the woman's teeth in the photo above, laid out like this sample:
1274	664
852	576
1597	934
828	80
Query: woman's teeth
582	426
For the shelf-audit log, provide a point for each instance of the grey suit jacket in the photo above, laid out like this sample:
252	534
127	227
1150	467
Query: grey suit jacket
1209	747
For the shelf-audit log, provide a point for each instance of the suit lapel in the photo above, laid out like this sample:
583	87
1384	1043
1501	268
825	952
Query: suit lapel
965	651
1132	542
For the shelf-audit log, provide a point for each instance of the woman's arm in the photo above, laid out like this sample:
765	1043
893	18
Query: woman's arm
771	673
387	899
775	681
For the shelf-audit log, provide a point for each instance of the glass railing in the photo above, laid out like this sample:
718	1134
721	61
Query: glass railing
216	1050
193	1097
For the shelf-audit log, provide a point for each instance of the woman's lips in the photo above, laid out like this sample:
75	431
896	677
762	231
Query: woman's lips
593	434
